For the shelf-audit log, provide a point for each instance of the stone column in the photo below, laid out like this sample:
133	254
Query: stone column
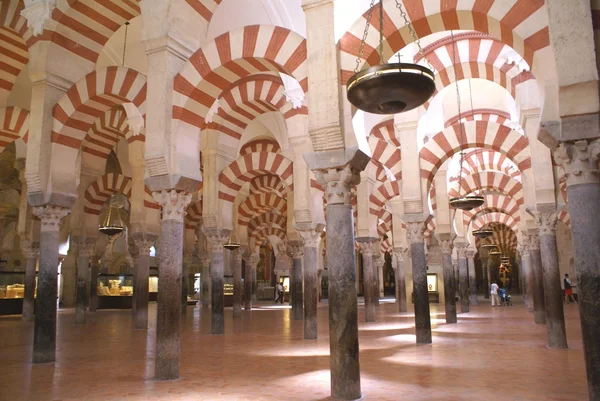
249	280
86	251
528	273
94	270
44	334
472	278
296	251
539	307
463	279
143	243
456	278
30	252
399	254
205	280
366	249
168	316
215	239
378	262
236	259
486	277
188	259
555	317
311	281
580	162
449	281
420	292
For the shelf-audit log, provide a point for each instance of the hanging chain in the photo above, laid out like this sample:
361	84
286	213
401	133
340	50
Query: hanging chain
462	153
361	49
413	33
125	41
380	31
471	97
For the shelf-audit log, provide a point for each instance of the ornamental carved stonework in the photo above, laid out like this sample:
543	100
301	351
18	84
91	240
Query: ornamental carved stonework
366	246
461	251
29	249
534	242
338	184
50	216
143	243
296	249
579	161
546	222
173	203
400	255
446	246
215	239
414	232
311	237
37	12
87	247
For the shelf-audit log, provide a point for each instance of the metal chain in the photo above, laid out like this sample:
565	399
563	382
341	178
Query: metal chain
471	97
364	38
380	31
412	32
462	153
125	41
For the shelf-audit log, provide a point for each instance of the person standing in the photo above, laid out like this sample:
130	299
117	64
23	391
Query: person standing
494	294
279	293
568	289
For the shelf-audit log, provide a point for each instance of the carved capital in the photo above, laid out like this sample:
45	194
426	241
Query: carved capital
579	160
414	232
37	12
143	242
215	239
546	222
188	258
311	237
471	255
51	216
366	245
446	246
173	203
29	249
378	261
338	184
400	255
238	254
252	261
204	259
296	249
87	247
534	241
461	251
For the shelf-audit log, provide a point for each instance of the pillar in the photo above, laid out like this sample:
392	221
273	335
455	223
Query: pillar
399	254
580	162
449	281
30	252
168	315
463	279
472	278
526	266
296	250
456	277
555	317
249	280
378	263
143	242
539	307
205	280
188	258
94	270
369	281
420	291
216	239
311	281
86	251
44	333
486	277
236	260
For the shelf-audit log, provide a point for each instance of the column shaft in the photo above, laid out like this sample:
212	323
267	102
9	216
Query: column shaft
185	279
369	285
83	267
94	284
297	300
377	273
29	295
311	292
420	292
463	276
526	261
249	282
400	282
555	317
237	283
217	272
486	278
449	287
205	282
539	307
140	291
472	281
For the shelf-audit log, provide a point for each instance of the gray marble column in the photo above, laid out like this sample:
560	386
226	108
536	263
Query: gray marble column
188	260
86	251
30	252
205	279
143	243
311	239
44	333
555	317
296	251
539	304
216	239
420	291
449	282
168	315
463	279
94	270
236	260
400	255
251	263
369	281
378	261
341	264
472	277
486	277
456	278
528	272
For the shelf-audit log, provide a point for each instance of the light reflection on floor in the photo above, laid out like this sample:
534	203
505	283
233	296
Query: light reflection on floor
263	356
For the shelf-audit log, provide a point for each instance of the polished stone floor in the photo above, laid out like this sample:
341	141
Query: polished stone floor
491	354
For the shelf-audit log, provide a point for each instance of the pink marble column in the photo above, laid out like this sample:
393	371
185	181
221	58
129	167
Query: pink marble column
420	291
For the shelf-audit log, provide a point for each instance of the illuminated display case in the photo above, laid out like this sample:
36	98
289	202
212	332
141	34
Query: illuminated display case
153	287
228	291
12	291
115	291
432	282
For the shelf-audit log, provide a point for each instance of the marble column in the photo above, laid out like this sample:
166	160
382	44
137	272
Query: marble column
472	278
420	291
311	281
463	279
205	280
94	270
400	254
378	262
580	162
188	259
249	280
539	304
296	251
86	251
366	248
236	260
449	282
168	315
44	333
555	317
215	239
143	242
456	278
486	277
528	273
30	252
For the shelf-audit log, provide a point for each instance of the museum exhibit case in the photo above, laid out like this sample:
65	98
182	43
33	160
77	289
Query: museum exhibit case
12	291
115	291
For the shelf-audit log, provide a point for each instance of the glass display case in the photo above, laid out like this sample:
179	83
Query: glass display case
115	291
153	287
12	292
228	291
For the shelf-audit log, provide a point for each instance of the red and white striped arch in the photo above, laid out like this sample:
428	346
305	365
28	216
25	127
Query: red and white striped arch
252	165
193	214
520	24
489	181
13	46
387	155
256	204
260	145
381	195
91	97
14	124
262	234
386	132
204	8
385	223
234	55
480	134
494	217
494	115
503	236
100	190
385	246
268	183
267	219
480	160
497	203
564	217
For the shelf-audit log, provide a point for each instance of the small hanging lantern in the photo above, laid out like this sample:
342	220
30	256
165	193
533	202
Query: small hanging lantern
495	253
489	247
114	219
389	88
468	202
231	243
483	233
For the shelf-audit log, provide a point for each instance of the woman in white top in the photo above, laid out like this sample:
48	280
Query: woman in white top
494	294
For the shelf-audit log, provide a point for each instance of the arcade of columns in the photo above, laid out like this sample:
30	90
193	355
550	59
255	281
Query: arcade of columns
216	141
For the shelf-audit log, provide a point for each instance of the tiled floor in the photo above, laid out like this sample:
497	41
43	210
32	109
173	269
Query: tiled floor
491	354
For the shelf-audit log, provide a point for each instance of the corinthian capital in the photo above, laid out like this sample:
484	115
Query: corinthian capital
446	246
173	203
366	245
546	222
50	216
37	12
30	249
534	241
414	232
311	237
296	249
87	247
215	239
338	184
461	252
143	242
579	160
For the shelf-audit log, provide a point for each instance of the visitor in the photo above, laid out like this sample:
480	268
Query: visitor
494	294
279	293
568	290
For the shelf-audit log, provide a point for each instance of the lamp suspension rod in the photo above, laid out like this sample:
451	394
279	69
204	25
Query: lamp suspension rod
381	32
125	42
462	153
